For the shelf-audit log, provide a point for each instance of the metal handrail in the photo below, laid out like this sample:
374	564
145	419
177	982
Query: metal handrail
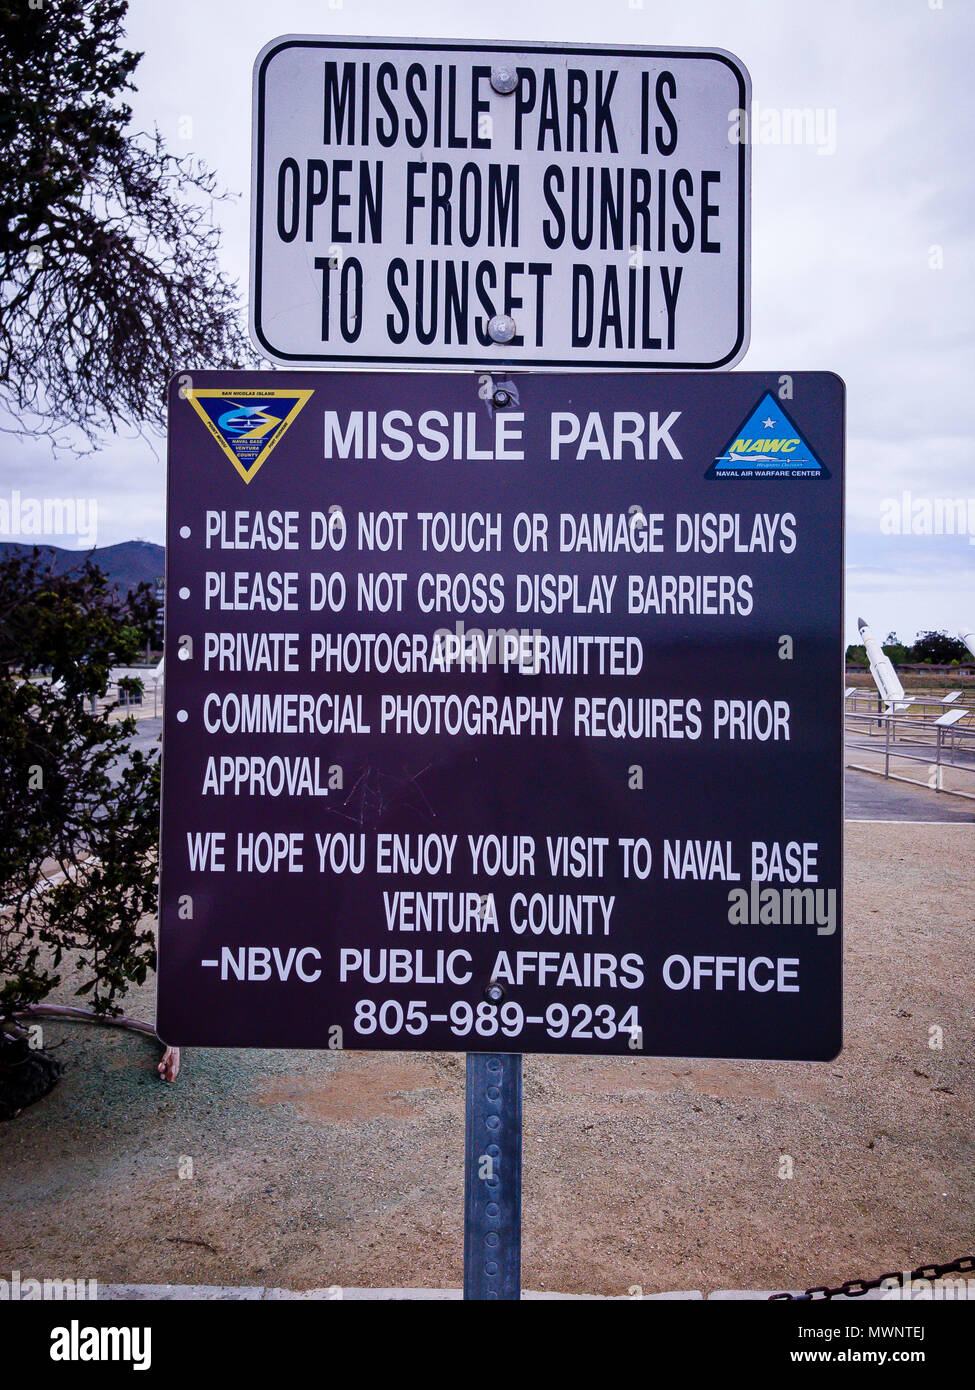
913	739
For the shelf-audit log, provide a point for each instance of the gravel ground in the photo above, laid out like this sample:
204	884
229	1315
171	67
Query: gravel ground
311	1169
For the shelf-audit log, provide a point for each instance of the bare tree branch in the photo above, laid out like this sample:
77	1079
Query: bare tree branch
109	263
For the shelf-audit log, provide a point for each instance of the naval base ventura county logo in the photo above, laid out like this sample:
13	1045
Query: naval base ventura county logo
767	445
247	423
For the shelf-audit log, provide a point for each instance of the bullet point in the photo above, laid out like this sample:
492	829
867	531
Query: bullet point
184	592
182	716
185	533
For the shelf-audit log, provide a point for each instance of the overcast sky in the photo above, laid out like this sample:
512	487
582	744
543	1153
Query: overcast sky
847	235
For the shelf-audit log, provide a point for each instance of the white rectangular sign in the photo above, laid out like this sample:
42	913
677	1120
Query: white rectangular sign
440	203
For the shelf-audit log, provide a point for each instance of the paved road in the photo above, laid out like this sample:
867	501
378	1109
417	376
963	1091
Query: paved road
147	737
871	798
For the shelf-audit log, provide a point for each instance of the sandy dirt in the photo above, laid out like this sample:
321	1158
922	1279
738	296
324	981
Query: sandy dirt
312	1169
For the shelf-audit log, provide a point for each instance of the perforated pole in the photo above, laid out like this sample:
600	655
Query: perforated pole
492	1177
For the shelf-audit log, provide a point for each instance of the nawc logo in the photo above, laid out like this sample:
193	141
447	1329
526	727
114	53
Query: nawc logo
247	424
767	445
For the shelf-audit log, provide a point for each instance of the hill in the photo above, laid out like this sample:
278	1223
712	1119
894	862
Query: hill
127	564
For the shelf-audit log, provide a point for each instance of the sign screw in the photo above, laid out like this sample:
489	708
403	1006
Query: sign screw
501	398
501	328
494	992
504	80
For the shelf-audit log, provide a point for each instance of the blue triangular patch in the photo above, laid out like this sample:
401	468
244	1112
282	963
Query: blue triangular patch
767	445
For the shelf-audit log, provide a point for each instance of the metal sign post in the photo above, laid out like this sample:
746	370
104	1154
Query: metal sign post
492	1177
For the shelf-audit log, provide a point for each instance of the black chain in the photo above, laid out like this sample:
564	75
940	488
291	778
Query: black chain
855	1288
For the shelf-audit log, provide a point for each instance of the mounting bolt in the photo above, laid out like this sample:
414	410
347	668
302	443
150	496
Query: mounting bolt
501	329
494	992
501	398
504	80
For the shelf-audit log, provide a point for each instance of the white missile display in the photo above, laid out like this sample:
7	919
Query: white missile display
885	677
967	635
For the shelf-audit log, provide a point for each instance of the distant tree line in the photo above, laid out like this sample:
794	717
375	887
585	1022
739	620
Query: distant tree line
929	649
